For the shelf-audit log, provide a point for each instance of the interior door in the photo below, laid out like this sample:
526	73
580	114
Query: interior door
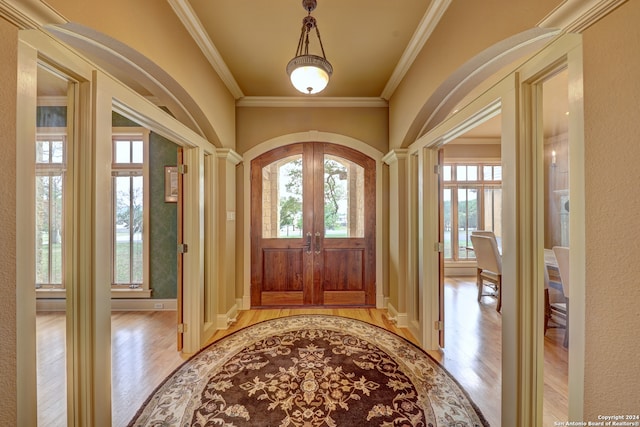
180	219
313	226
441	247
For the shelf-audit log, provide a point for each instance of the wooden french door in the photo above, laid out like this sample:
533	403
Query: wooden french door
313	227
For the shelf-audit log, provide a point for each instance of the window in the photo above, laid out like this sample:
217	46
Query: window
49	204
472	197
129	201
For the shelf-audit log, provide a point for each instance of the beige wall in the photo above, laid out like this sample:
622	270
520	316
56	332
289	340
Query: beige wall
257	124
612	156
8	95
452	152
162	39
466	29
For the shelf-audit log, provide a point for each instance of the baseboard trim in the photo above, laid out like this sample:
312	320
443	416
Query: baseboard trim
228	318
401	319
457	271
245	302
119	304
380	301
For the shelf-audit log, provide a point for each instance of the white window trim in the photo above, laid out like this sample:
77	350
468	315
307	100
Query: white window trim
144	291
42	133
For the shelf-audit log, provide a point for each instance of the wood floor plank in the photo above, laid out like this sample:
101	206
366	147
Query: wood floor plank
144	354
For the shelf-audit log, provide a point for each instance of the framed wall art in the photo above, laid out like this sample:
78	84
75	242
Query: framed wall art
171	184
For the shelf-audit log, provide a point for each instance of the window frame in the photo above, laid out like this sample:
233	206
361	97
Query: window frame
480	185
47	169
131	290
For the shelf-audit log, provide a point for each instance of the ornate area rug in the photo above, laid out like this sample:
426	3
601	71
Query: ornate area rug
310	370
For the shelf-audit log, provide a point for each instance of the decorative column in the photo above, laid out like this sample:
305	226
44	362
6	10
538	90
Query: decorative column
398	243
226	245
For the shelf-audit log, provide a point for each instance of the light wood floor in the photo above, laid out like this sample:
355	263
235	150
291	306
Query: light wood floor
143	354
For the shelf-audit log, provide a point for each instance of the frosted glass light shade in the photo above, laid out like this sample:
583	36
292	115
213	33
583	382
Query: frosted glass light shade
309	73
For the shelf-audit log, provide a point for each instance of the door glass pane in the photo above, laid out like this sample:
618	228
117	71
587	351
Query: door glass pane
343	198
467	219
282	198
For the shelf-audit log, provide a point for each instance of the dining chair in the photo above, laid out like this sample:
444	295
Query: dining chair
562	257
487	233
489	264
554	308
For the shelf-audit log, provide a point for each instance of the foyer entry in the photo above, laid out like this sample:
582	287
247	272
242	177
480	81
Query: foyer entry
313	226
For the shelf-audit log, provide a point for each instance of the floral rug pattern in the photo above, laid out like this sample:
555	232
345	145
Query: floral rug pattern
310	370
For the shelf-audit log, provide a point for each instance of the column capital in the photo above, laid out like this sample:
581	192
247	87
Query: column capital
229	155
395	155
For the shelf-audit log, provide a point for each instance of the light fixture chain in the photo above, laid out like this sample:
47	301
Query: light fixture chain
306	43
320	40
299	48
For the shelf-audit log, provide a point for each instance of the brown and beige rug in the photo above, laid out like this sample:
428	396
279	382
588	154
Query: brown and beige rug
310	370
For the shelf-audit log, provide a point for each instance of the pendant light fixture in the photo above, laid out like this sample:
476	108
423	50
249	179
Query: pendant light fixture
309	73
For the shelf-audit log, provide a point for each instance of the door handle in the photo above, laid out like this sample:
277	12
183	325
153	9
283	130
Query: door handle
307	246
317	242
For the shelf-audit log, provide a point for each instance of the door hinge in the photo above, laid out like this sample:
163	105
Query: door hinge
183	248
438	247
438	325
437	169
182	328
182	169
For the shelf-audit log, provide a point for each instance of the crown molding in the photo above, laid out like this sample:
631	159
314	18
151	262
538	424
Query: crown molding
574	16
29	14
311	101
189	19
429	21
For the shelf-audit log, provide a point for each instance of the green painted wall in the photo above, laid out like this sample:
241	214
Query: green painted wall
163	232
163	236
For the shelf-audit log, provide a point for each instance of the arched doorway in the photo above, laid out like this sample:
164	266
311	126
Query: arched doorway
313	220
